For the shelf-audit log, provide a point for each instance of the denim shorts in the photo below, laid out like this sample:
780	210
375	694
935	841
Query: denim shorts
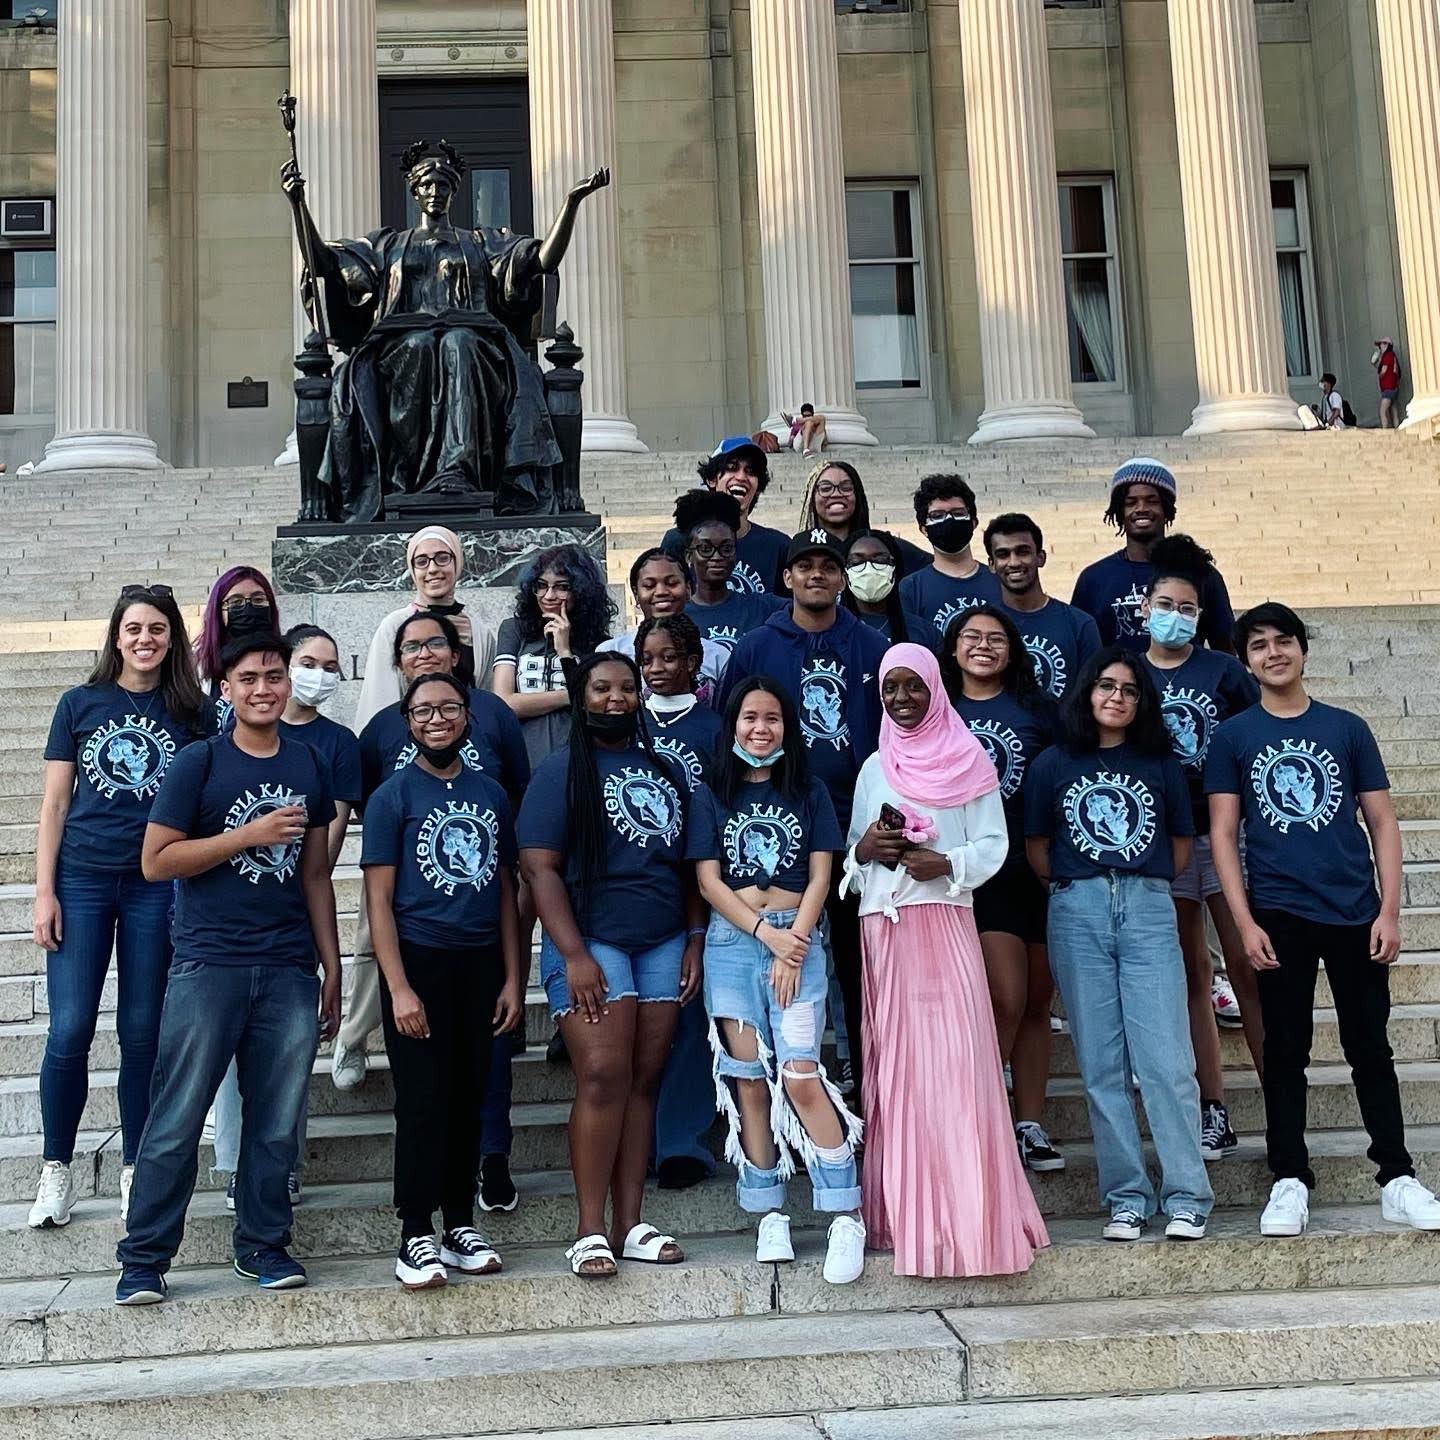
1199	880
643	975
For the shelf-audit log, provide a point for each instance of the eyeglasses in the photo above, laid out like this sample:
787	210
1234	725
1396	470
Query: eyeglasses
446	709
1166	606
560	587
141	592
435	644
714	550
441	560
938	517
1105	686
828	488
236	602
984	640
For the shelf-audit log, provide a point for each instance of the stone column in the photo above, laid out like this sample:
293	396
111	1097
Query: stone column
1410	59
572	133
333	77
101	248
1229	226
809	348
1014	207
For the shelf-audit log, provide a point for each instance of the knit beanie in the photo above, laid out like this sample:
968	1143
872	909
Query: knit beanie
1143	470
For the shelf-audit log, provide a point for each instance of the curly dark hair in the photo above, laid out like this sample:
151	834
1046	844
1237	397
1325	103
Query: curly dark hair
1018	678
943	487
712	467
592	611
1179	557
680	628
706	507
1114	516
1146	732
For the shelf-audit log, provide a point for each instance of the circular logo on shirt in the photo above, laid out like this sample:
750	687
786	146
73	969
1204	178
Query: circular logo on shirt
683	756
1126	610
128	756
745	580
469	756
1110	815
1006	751
458	845
762	842
822	704
1297	783
1190	718
1052	669
951	608
642	806
259	862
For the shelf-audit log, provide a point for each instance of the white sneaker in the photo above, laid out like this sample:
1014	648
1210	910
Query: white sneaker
1224	1003
348	1067
845	1252
55	1198
772	1244
1288	1210
127	1179
1405	1201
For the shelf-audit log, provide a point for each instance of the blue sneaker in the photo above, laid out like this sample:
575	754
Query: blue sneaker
273	1268
140	1286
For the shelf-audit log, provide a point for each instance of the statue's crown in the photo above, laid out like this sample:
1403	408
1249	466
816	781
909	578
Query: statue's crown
444	157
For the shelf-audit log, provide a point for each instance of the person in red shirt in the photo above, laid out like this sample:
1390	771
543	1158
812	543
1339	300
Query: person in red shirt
1387	368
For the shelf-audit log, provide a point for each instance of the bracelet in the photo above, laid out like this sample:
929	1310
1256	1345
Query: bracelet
759	921
693	934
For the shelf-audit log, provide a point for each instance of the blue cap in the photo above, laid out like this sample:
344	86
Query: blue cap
731	443
1144	470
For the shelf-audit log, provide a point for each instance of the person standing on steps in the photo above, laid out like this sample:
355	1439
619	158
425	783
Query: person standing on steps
992	686
439	861
1058	637
602	838
835	500
1302	776
873	566
1387	371
764	834
241	824
1199	690
709	522
1112	590
1108	827
946	513
943	1186
241	602
111	742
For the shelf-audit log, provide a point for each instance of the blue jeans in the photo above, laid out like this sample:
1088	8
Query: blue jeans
103	910
1116	956
685	1105
264	1017
227	1124
737	987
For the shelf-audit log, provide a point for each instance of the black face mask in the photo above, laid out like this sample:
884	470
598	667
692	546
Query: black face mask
249	619
605	726
950	534
445	755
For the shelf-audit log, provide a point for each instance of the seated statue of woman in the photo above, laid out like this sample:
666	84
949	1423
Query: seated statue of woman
437	393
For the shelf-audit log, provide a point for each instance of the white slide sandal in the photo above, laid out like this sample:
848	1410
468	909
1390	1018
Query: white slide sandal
591	1247
646	1244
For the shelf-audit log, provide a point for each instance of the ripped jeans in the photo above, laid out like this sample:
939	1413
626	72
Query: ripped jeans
737	987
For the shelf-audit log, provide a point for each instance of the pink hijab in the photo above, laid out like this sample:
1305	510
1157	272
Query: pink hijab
939	762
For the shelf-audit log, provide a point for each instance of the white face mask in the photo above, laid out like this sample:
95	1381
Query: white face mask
871	580
312	687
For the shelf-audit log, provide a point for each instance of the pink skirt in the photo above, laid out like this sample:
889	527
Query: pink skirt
943	1184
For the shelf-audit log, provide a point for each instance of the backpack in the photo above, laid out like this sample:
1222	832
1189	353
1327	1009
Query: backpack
1347	413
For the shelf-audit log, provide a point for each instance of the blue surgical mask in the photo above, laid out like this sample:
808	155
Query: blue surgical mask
756	762
1172	629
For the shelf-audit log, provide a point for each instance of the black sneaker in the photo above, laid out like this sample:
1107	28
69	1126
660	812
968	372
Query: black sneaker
465	1249
497	1189
418	1265
555	1051
1036	1151
844	1077
680	1172
1217	1139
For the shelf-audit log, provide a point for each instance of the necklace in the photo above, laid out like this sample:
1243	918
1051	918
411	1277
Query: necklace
134	697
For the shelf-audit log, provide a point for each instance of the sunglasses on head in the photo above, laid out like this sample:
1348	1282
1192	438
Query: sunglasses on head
144	592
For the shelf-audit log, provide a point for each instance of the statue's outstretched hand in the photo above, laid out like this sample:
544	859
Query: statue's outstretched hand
290	181
598	181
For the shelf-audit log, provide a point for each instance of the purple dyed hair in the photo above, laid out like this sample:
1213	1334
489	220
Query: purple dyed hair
212	627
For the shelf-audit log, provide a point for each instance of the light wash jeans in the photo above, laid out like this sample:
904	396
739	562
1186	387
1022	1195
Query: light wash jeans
1116	957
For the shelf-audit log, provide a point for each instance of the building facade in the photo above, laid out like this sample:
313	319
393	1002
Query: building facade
936	220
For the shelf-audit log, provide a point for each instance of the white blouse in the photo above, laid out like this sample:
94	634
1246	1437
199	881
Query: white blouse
973	837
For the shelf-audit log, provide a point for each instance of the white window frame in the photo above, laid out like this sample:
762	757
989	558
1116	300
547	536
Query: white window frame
1120	385
917	262
1306	251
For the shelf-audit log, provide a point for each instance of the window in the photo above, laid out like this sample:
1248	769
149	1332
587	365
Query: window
1092	281
27	332
1291	208
882	225
35	14
1073	4
861	7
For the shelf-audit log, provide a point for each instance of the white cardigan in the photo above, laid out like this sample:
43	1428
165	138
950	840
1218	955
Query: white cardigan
973	837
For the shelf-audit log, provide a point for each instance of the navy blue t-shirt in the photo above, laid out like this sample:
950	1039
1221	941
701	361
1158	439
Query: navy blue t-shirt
121	745
639	900
931	600
339	753
1013	735
1195	699
1112	589
250	909
759	559
1060	640
447	840
736	615
688	740
821	703
764	839
1107	810
496	745
1299	781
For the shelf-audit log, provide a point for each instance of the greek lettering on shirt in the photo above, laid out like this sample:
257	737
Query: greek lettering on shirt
1126	609
762	842
682	755
642	806
1297	782
745	580
469	756
224	715
723	635
458	845
1052	666
128	756
1190	718
260	862
822	704
1006	751
1109	814
951	608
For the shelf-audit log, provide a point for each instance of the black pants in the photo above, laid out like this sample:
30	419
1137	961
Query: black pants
440	1083
1361	988
844	918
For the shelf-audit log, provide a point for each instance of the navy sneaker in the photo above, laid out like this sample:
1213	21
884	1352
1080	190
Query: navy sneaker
139	1285
273	1268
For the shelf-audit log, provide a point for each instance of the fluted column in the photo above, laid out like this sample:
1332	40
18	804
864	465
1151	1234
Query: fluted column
1229	226
334	78
100	248
1410	59
809	348
572	133
1014	208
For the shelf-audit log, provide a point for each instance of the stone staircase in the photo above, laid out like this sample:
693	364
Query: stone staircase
1336	1333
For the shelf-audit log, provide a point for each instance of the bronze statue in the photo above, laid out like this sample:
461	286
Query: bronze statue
437	395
